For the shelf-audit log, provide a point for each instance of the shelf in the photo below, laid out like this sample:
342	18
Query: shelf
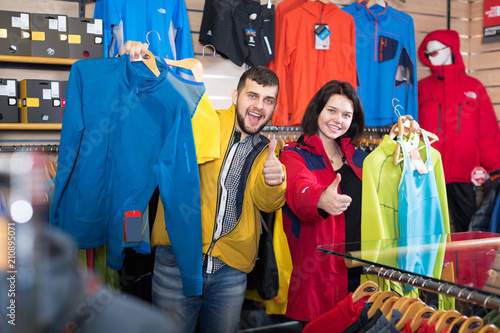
41	127
37	60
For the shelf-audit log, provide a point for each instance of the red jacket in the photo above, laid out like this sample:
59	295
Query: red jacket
319	280
303	70
456	107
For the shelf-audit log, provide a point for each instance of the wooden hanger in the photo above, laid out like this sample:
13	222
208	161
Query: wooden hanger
370	3
194	65
149	60
409	313
322	1
377	303
401	305
490	328
423	313
386	308
365	289
454	322
402	129
433	318
471	325
446	318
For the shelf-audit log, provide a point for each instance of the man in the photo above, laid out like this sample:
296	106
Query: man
246	179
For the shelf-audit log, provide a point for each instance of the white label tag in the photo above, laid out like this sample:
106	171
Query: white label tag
52	24
3	90
46	94
16	22
11	88
91	28
61	23
54	86
321	44
98	26
25	21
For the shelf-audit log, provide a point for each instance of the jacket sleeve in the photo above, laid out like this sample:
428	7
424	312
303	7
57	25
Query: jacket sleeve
182	33
267	198
303	190
489	138
71	136
284	51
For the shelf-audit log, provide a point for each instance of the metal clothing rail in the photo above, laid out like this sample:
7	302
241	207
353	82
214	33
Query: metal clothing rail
29	148
475	296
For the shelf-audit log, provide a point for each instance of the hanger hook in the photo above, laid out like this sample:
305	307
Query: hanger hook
147	40
395	107
203	50
486	302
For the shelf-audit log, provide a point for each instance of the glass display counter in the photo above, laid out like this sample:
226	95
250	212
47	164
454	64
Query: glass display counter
461	265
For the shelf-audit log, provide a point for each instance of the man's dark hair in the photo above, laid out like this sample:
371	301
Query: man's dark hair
260	74
310	120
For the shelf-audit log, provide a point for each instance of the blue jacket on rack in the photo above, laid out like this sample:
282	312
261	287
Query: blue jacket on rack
125	132
385	62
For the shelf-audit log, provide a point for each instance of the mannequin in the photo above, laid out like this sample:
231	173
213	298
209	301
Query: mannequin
456	107
438	53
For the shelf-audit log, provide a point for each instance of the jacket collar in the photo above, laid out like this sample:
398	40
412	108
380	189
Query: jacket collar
139	78
375	12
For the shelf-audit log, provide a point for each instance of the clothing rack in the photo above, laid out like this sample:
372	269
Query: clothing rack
29	148
462	293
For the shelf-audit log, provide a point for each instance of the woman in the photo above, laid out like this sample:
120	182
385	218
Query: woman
323	199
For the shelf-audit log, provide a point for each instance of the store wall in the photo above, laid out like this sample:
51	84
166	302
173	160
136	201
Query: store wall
221	75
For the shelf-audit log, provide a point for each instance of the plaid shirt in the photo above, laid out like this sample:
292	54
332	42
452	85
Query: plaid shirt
228	187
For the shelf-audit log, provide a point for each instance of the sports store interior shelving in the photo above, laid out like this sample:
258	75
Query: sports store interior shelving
221	75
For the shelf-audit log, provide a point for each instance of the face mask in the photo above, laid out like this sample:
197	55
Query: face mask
438	53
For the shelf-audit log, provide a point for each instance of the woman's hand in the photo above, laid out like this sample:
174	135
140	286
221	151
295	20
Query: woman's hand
331	201
135	50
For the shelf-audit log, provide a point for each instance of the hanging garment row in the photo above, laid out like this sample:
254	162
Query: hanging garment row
372	309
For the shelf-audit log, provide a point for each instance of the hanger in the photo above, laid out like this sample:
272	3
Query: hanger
401	305
377	303
365	289
434	317
402	129
445	319
454	322
471	325
370	3
423	313
203	50
149	60
386	308
410	313
192	64
322	1
490	328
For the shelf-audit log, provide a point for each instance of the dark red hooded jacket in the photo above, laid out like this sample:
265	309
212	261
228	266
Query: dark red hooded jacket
456	107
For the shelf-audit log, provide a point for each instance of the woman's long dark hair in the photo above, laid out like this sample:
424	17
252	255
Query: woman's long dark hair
310	120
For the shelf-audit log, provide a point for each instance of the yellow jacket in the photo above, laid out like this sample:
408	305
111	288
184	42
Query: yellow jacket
238	248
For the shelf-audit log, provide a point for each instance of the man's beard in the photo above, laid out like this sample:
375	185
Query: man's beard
241	122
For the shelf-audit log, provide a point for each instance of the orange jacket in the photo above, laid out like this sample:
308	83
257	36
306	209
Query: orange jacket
303	69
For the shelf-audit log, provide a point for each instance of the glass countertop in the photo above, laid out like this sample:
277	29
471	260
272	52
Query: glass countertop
467	259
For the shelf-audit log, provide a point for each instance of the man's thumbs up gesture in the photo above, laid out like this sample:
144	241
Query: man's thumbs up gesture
273	173
331	201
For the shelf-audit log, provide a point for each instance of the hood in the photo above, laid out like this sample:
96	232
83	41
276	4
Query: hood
449	38
319	9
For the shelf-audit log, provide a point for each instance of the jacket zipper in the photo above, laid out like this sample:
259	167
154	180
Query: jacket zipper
459	117
212	244
439	119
